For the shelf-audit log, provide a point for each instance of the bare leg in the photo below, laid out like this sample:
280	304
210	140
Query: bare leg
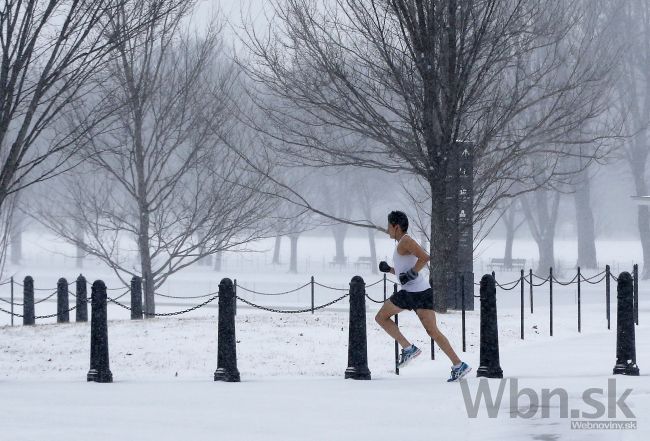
428	319
383	317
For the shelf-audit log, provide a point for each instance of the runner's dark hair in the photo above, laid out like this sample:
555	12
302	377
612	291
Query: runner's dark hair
399	218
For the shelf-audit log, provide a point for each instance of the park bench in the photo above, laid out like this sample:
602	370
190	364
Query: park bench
363	261
497	263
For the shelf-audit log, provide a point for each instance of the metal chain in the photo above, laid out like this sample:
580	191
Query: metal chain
373	300
296	311
53	315
566	283
381	280
536	284
168	314
184	297
274	293
378	281
9	302
516	283
587	279
46	298
330	287
597	281
10	313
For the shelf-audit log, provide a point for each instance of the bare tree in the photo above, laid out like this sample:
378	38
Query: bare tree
634	91
159	176
512	223
541	209
50	50
402	81
585	225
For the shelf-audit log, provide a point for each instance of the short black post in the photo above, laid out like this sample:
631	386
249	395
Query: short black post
62	301
550	300
636	293
100	371
608	295
521	280
226	342
396	343
489	352
357	339
531	290
625	344
312	294
136	298
28	301
81	291
462	308
579	304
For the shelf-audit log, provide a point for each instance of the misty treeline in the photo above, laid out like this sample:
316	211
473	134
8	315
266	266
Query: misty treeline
156	145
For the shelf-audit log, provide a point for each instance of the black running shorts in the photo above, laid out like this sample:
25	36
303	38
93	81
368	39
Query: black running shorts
413	300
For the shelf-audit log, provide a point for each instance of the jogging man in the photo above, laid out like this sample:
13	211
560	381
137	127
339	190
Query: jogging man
416	295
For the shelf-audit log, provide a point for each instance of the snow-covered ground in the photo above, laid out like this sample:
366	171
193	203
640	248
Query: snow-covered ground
292	367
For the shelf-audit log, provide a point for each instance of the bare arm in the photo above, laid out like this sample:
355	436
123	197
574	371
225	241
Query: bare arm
410	246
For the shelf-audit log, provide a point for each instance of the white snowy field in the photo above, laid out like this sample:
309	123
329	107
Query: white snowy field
292	379
292	365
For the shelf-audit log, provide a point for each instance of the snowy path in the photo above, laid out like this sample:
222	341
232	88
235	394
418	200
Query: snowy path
292	386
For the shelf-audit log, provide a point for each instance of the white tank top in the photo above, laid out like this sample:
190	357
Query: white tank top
404	263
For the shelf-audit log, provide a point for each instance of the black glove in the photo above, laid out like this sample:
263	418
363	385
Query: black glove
384	267
406	277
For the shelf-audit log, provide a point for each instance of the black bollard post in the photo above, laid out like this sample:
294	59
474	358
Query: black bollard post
28	301
489	352
226	342
357	339
625	344
62	302
81	289
136	298
100	371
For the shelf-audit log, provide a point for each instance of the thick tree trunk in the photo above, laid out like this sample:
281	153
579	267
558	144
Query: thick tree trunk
276	250
585	225
509	222
144	221
340	231
79	258
443	259
16	236
218	260
373	250
542	221
145	263
643	218
545	245
293	266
